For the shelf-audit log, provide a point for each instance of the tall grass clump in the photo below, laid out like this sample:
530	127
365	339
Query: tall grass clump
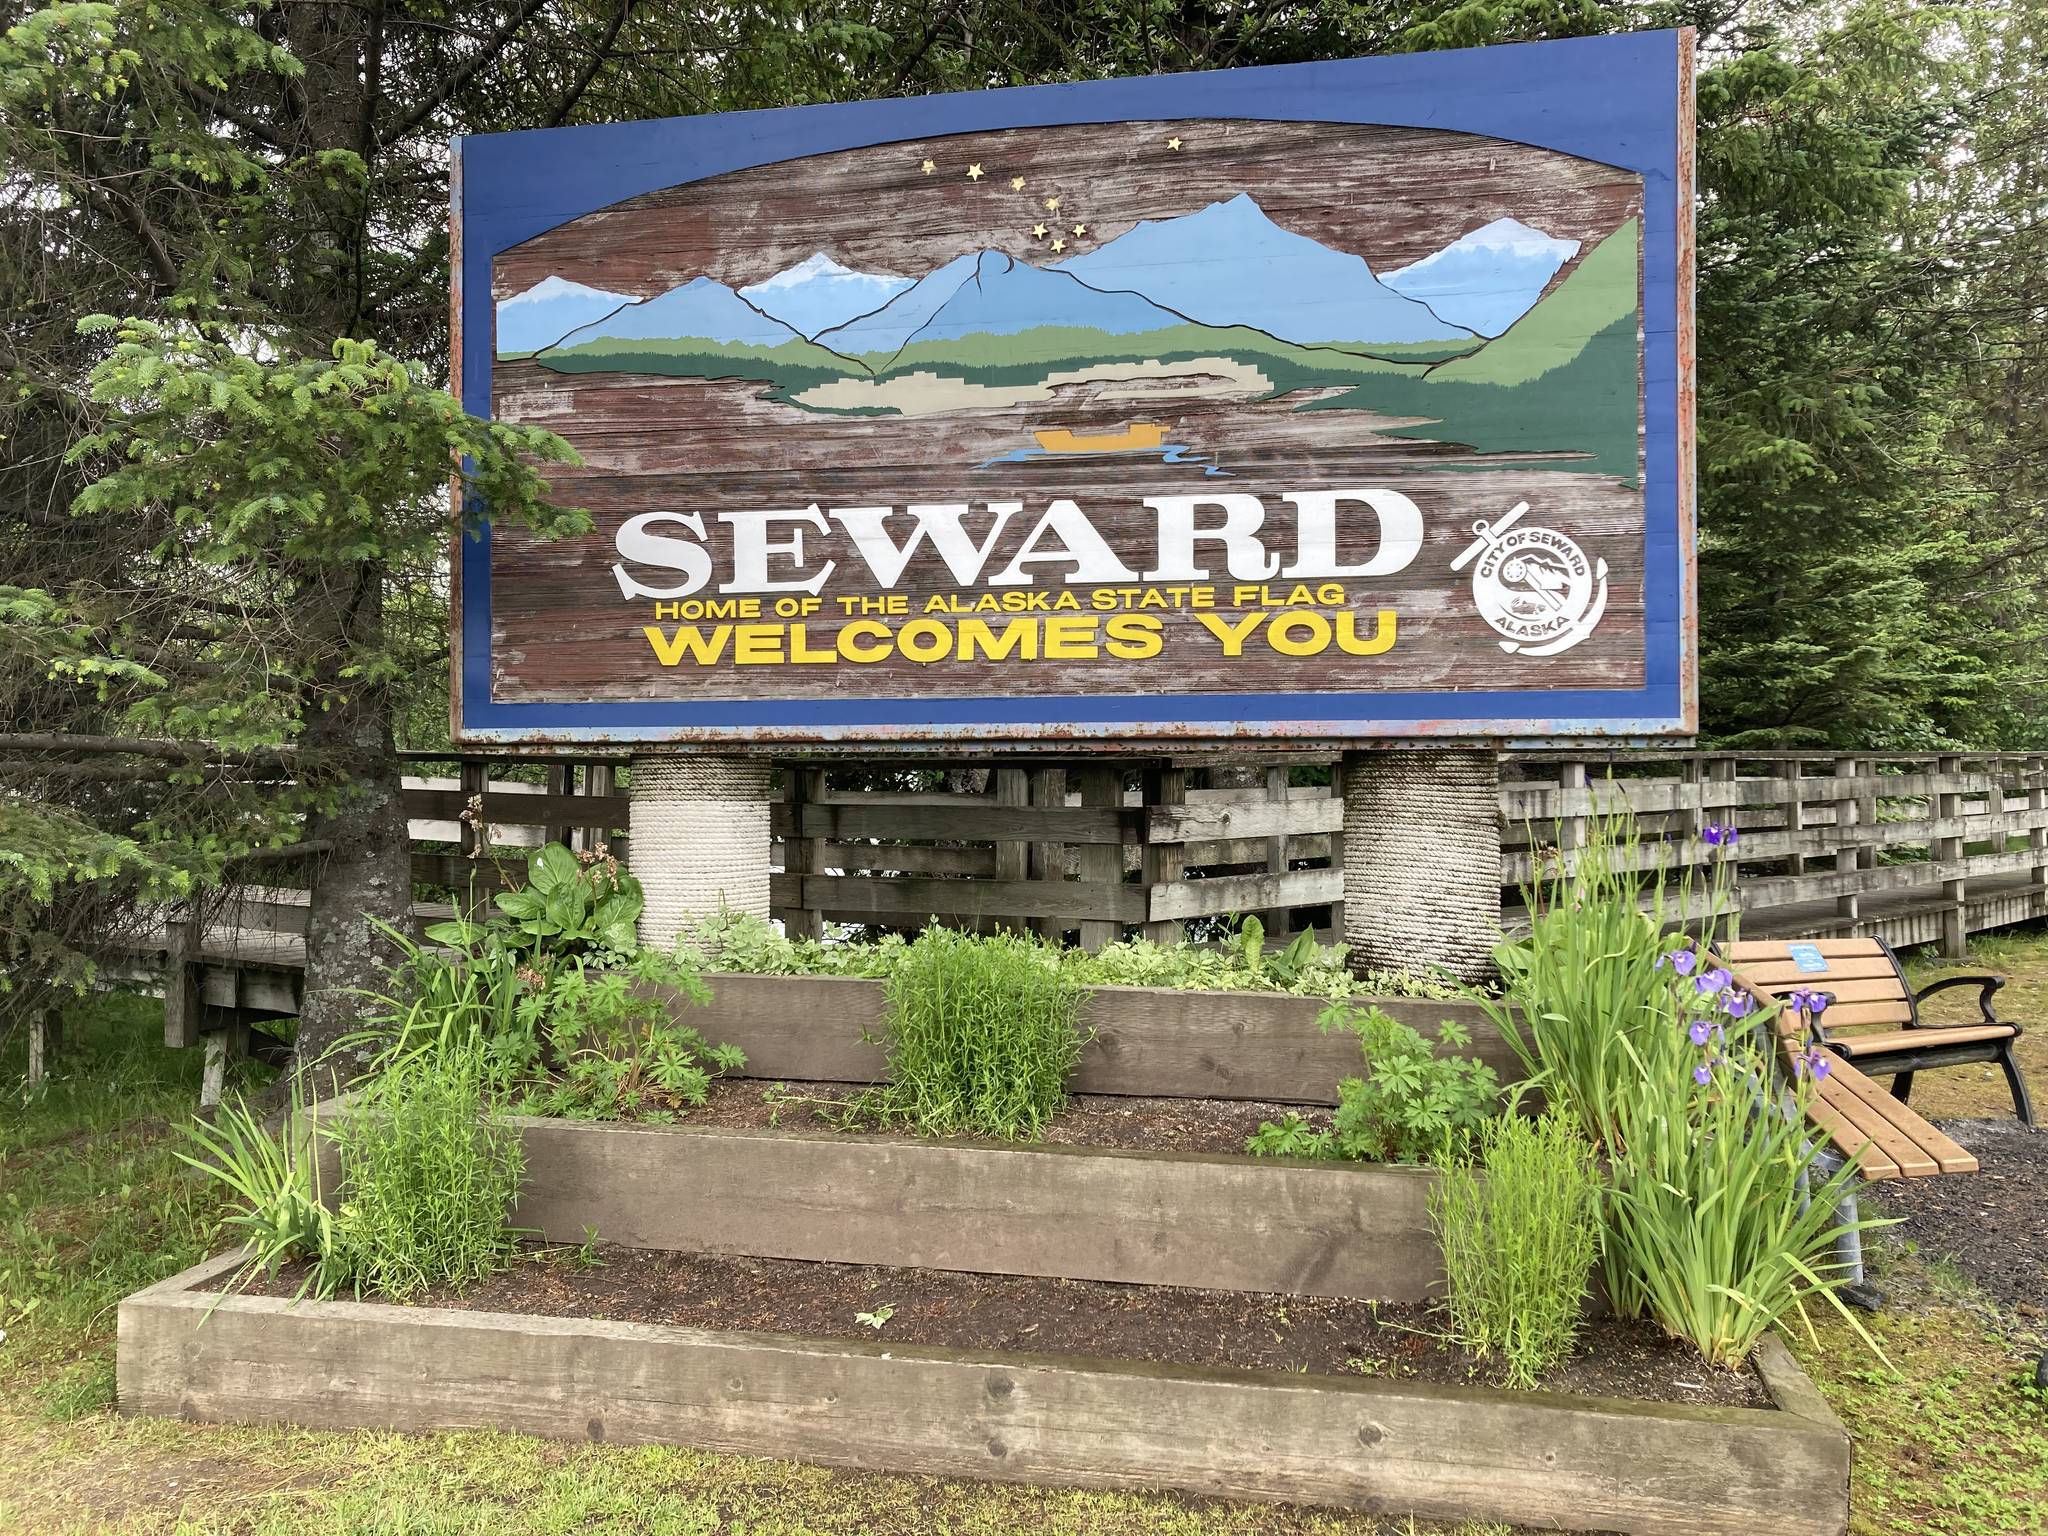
982	1036
429	1176
1516	1209
1722	1217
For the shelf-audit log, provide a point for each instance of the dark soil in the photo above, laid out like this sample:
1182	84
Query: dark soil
1163	1324
1992	1223
1088	1120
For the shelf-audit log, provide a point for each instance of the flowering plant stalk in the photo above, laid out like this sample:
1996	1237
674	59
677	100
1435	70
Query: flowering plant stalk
1721	1217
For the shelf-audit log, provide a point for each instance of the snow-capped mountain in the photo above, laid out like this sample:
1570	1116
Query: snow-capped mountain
1488	279
888	328
702	309
549	310
818	293
1229	264
1003	296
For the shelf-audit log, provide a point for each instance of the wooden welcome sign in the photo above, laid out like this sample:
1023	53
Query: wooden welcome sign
1322	402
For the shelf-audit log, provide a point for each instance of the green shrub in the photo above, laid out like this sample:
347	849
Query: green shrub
428	1177
982	1036
603	1044
1410	1103
1517	1213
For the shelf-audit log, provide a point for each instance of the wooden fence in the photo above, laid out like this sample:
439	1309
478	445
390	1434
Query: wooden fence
1915	849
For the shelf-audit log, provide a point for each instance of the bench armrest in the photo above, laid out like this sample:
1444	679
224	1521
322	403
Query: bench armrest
1987	984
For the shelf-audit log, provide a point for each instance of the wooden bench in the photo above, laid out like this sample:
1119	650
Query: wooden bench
1861	1120
1867	991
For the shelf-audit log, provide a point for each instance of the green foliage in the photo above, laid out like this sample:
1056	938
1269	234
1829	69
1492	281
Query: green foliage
573	906
1582	993
1408	1106
733	941
1721	1219
982	1036
429	1177
273	1185
1517	1213
572	1016
603	1044
1292	1135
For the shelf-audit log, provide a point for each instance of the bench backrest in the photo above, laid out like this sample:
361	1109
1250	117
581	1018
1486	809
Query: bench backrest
1862	976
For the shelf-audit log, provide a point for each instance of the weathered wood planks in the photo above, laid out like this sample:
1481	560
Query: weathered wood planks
1436	1452
1147	1041
1214	1222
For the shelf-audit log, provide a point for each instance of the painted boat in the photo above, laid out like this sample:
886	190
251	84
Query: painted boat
1142	434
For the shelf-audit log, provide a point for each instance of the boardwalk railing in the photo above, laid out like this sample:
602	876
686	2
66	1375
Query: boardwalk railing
1914	849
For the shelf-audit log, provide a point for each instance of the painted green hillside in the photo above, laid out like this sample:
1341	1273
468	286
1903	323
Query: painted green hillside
1561	379
1597	293
790	366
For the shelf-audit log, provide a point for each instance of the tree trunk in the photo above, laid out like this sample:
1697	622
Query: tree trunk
369	872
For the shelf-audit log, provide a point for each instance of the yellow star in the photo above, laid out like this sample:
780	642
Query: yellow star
1038	230
930	166
975	173
1059	245
1174	142
1016	183
1052	205
1080	229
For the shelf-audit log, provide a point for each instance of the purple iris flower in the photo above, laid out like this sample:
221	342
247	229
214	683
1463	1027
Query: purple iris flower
1807	1001
1737	1005
1680	960
1710	981
1702	1074
1701	1032
1718	834
1814	1062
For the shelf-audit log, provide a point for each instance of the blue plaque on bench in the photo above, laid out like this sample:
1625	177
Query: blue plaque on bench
1808	957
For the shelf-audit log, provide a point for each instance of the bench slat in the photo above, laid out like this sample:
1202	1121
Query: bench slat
1847	1015
1769	973
1848	1140
1836	1092
1921	1039
1875	989
1929	1143
1774	949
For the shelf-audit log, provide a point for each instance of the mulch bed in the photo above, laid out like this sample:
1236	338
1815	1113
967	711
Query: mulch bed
1089	1120
1162	1324
1993	1223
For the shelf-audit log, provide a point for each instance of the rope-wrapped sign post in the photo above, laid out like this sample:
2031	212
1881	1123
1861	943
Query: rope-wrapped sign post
700	840
1422	860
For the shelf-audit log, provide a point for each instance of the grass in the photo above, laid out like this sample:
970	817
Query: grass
2021	956
92	1206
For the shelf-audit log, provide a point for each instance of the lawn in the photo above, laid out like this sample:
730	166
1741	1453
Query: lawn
93	1205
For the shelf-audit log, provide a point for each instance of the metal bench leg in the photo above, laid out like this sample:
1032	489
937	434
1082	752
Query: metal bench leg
2021	1104
1857	1291
1902	1086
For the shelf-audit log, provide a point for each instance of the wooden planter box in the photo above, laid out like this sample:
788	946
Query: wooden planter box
1218	1222
1437	1452
1148	1041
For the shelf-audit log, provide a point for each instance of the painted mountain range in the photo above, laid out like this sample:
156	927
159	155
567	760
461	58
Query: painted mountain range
1487	280
1223	296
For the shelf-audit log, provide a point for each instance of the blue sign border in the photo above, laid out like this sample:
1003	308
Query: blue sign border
1622	100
